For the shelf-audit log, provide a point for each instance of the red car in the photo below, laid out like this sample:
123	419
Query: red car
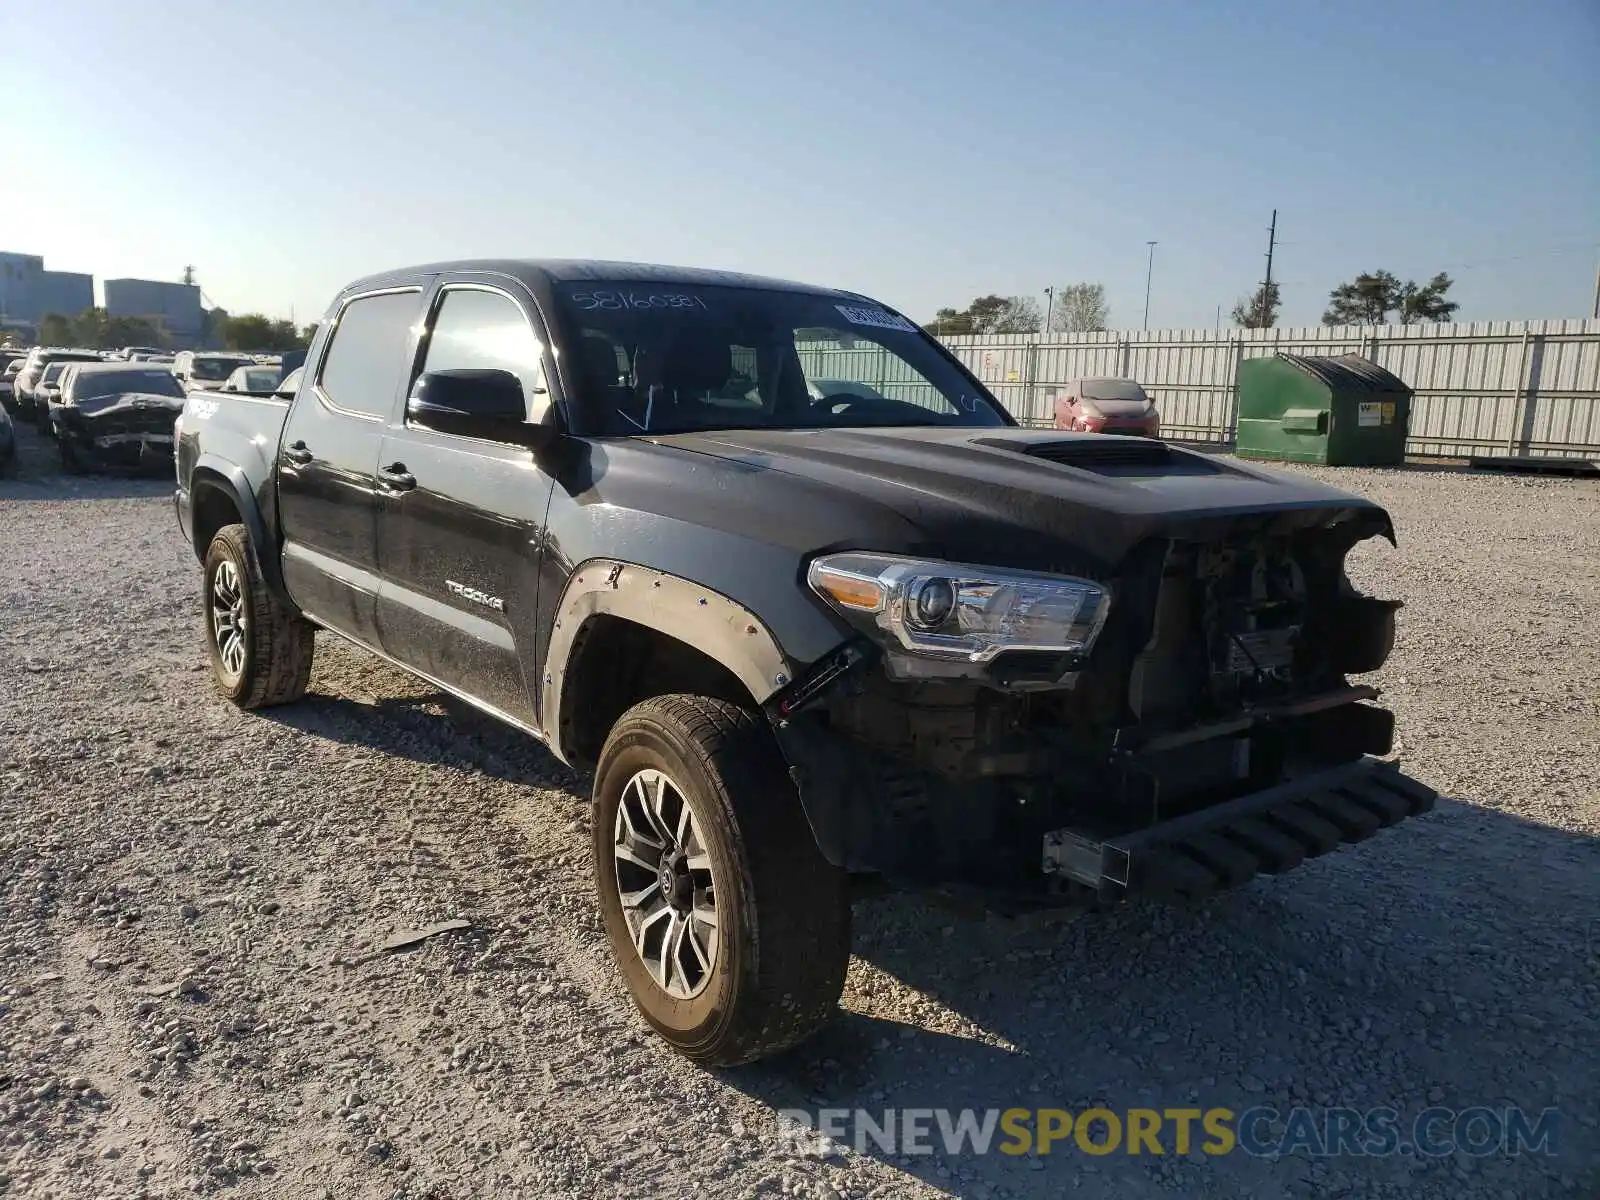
1107	406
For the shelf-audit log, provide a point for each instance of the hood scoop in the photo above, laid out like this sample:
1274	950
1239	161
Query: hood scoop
1114	455
1092	452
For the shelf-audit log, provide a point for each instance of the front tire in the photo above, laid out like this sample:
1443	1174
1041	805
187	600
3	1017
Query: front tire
260	649
731	930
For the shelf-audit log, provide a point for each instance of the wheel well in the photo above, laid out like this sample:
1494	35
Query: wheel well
213	508
616	663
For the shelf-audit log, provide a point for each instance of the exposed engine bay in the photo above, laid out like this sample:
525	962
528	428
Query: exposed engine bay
1234	627
1221	671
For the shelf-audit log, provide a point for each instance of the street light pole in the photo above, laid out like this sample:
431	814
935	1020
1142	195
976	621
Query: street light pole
1049	309
1149	270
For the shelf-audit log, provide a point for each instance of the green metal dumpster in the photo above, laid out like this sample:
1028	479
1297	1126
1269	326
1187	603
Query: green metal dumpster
1345	411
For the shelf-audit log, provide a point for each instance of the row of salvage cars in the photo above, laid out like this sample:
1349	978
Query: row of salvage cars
120	413
116	413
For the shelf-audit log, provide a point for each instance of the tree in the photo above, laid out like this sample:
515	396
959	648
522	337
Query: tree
1006	314
89	328
1427	302
255	332
1259	311
947	322
1080	308
213	324
1372	296
989	314
133	331
307	333
99	330
55	329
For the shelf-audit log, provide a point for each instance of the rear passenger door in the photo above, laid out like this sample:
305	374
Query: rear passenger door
328	460
460	519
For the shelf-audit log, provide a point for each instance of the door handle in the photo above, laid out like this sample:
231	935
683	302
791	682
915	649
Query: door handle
395	478
298	454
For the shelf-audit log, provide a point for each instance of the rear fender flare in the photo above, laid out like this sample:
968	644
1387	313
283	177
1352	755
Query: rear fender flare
210	471
718	627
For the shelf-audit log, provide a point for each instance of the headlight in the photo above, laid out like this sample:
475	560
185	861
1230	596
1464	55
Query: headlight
959	610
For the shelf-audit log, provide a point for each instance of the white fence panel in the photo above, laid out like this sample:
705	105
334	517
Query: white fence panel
1523	387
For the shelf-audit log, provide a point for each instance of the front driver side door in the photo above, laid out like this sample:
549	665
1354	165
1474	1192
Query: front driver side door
460	519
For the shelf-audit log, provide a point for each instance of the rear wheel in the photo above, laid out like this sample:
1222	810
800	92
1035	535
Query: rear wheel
260	649
731	930
71	463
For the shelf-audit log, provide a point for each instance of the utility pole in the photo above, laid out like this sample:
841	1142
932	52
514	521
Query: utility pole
188	276
1049	309
1266	288
1597	293
1149	270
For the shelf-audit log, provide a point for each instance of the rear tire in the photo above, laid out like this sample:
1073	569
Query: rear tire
71	463
763	968
260	649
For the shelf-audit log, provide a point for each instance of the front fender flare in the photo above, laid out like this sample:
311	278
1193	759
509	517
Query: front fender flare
719	627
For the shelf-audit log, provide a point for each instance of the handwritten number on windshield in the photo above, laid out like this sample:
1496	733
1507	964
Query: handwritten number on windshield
621	301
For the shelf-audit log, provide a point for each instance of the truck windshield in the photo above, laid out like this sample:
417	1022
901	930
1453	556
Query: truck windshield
670	358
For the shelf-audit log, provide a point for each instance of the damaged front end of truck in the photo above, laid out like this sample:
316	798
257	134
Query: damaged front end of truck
1170	724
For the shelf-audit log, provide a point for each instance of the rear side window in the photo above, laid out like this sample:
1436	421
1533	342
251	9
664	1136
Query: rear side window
482	330
366	360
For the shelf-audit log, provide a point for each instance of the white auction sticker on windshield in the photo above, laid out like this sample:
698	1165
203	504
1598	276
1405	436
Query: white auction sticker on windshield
876	318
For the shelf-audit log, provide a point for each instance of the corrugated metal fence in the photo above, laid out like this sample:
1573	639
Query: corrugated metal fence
1488	387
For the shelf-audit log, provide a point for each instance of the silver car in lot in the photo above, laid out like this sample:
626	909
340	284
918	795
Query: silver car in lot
202	371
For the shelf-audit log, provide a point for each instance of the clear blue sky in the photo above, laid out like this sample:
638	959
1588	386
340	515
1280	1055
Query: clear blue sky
923	152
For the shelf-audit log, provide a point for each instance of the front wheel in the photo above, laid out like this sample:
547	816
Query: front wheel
731	930
260	649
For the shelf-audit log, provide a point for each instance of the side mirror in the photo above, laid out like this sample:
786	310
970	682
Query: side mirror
486	404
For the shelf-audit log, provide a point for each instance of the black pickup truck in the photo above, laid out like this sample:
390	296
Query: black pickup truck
801	638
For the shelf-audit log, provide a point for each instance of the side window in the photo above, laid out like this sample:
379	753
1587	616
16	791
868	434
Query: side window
484	330
366	358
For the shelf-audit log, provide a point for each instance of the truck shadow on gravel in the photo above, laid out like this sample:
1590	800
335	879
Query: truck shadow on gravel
433	728
1448	964
1455	961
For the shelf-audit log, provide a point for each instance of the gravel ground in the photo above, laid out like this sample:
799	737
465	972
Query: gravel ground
194	997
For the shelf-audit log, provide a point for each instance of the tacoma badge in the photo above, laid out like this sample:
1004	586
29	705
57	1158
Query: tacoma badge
477	597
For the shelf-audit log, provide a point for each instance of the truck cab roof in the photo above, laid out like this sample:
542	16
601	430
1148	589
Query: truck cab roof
539	273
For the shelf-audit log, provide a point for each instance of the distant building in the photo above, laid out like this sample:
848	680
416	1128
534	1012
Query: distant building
28	291
19	283
65	292
175	305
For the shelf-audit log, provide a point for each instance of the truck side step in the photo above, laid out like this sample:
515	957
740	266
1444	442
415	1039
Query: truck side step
1267	832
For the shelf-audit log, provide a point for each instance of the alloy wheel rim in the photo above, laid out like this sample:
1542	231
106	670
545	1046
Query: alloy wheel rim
228	620
665	882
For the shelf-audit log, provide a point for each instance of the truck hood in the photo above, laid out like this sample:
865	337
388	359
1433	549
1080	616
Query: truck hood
1009	496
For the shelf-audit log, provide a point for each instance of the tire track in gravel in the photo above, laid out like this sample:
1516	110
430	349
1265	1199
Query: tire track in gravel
529	839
